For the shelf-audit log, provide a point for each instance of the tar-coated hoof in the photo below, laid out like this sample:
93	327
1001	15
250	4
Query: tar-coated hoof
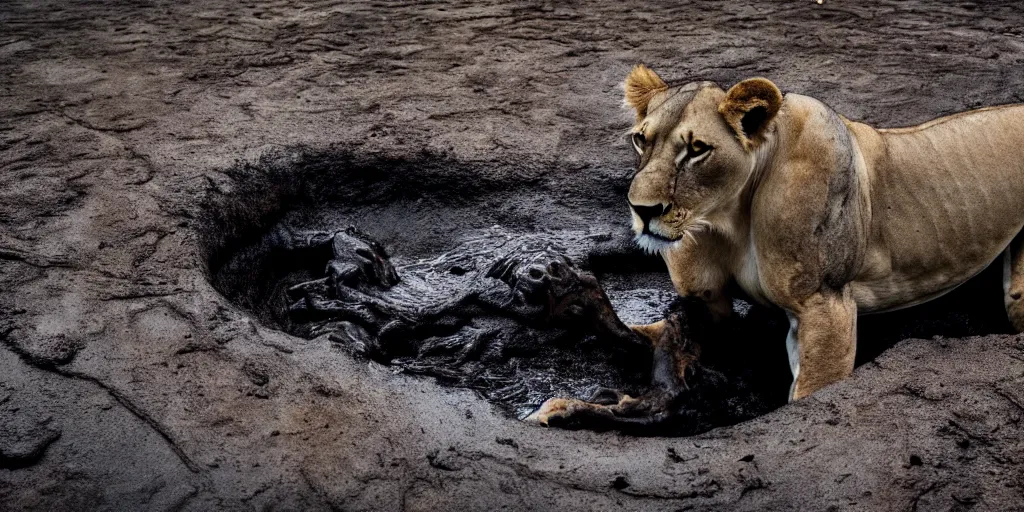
550	412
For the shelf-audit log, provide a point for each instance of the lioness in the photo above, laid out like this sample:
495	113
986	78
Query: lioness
818	215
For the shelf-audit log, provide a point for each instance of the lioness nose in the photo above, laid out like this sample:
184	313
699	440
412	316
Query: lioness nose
646	213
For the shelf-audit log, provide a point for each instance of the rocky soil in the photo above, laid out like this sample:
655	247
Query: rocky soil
142	144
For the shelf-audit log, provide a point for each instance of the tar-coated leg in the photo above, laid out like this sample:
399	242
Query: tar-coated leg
651	332
674	356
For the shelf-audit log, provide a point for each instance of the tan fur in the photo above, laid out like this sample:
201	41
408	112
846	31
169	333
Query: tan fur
652	332
824	217
746	96
827	338
561	408
1013	283
698	273
641	85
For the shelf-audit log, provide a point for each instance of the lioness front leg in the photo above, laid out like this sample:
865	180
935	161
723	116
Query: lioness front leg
822	341
710	309
1013	282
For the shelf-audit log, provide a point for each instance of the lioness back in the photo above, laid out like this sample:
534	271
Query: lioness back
819	216
947	197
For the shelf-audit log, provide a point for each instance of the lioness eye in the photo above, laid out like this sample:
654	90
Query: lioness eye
639	141
697	147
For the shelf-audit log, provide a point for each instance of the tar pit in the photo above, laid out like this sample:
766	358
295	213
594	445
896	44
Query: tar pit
517	283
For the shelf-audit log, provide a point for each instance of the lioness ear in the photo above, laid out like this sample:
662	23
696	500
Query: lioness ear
749	107
641	85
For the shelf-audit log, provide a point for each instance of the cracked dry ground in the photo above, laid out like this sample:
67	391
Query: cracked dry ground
128	382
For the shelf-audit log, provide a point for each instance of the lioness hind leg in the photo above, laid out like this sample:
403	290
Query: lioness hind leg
1013	282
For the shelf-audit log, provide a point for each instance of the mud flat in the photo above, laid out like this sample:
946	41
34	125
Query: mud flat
144	147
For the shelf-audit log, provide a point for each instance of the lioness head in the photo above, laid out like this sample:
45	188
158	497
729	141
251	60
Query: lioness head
698	148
